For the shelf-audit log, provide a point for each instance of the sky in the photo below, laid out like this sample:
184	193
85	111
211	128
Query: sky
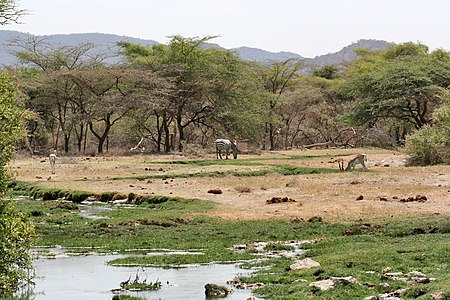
307	27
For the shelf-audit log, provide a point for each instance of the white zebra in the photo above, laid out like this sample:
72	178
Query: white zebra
227	145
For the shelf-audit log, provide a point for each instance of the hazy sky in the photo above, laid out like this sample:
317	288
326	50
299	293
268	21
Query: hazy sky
306	27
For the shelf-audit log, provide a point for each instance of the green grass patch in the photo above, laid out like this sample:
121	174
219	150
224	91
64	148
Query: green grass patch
360	249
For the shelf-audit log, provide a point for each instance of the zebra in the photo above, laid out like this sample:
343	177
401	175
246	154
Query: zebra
227	145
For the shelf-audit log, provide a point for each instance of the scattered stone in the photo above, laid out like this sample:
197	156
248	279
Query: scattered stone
393	295
413	277
418	198
332	282
216	291
215	191
418	277
385	285
119	196
237	283
395	276
315	219
279	200
360	197
437	295
306	263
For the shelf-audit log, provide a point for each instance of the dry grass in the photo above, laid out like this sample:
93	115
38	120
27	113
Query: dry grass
331	196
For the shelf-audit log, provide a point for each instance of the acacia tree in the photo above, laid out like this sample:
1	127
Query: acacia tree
202	79
10	12
49	90
403	83
276	78
107	95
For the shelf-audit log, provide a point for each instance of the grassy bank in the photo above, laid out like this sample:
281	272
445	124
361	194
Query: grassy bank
359	249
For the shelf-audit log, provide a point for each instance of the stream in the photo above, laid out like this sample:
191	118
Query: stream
89	277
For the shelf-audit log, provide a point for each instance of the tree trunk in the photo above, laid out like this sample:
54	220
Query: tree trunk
271	137
66	142
167	139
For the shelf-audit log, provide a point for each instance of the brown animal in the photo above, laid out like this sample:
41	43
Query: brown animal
358	159
340	162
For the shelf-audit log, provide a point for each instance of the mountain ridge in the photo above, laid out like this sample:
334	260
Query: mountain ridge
108	42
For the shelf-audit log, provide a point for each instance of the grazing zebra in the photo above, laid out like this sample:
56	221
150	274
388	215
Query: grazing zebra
227	145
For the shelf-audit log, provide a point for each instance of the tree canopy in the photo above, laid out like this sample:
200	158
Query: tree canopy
10	12
403	83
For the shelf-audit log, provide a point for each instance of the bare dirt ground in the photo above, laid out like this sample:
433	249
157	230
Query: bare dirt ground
331	196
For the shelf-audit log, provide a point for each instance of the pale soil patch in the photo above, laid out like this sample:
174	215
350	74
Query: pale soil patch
331	196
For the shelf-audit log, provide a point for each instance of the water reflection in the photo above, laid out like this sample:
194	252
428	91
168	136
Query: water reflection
88	277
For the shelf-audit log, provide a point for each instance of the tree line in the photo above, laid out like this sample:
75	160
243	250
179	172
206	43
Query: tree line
186	93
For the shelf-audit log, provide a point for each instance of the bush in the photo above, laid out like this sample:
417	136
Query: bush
16	237
427	146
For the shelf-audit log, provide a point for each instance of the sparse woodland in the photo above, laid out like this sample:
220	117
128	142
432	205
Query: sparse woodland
182	96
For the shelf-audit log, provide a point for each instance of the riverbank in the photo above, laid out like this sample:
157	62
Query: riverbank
389	230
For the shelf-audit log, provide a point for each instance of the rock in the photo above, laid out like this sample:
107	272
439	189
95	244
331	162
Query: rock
315	219
385	285
215	191
306	263
371	298
392	296
437	295
360	197
332	282
279	200
418	277
216	291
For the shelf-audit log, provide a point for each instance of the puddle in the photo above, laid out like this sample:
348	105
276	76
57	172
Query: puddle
89	277
93	211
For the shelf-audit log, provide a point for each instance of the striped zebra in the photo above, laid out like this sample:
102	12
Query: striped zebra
227	145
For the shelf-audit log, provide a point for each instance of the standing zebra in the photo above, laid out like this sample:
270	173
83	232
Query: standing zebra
227	145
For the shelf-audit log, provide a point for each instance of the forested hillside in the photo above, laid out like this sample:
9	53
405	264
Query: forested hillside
183	95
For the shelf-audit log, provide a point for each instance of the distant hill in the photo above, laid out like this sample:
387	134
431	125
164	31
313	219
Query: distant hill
103	42
254	54
347	54
107	43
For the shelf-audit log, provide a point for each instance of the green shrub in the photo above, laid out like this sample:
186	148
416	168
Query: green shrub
427	146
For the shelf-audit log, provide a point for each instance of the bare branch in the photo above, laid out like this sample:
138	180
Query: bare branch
9	12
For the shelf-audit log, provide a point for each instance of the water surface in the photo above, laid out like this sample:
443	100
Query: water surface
88	277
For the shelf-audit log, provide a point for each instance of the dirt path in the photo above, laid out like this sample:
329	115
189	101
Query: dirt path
385	189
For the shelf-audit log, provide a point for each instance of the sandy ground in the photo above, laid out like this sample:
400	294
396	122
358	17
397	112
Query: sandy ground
331	196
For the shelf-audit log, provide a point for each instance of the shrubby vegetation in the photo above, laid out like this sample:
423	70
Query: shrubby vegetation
431	145
16	231
164	97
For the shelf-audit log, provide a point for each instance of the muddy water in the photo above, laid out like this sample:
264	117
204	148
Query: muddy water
88	277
